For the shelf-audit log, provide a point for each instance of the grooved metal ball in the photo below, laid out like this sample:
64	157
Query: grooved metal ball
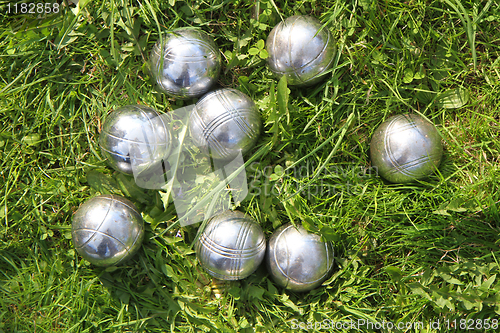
137	132
107	230
185	63
298	260
406	148
231	247
224	123
298	51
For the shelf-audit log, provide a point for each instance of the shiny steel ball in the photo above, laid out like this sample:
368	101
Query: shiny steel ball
185	63
231	247
134	133
298	260
107	230
224	123
406	148
299	52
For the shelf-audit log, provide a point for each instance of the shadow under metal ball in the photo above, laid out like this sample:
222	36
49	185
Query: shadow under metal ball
224	123
185	63
135	133
406	148
107	230
298	260
231	247
299	52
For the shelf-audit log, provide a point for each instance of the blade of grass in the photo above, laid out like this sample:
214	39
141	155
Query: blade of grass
469	27
342	131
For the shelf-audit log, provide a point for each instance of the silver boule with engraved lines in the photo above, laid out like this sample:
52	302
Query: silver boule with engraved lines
299	49
134	133
224	123
231	247
107	230
405	148
185	63
298	260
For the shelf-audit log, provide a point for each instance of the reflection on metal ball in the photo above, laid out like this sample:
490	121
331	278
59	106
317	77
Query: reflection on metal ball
406	148
231	247
134	134
224	123
299	52
298	260
107	230
185	63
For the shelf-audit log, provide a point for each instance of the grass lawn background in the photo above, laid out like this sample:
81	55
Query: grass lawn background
413	253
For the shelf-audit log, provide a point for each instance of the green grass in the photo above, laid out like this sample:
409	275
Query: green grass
404	253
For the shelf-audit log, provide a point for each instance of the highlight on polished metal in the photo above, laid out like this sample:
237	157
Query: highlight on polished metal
406	148
135	133
299	49
231	247
185	63
225	123
298	260
107	230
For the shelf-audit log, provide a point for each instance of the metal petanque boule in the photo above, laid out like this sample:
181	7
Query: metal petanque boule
297	50
298	260
107	230
224	123
406	148
134	137
185	63
231	247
